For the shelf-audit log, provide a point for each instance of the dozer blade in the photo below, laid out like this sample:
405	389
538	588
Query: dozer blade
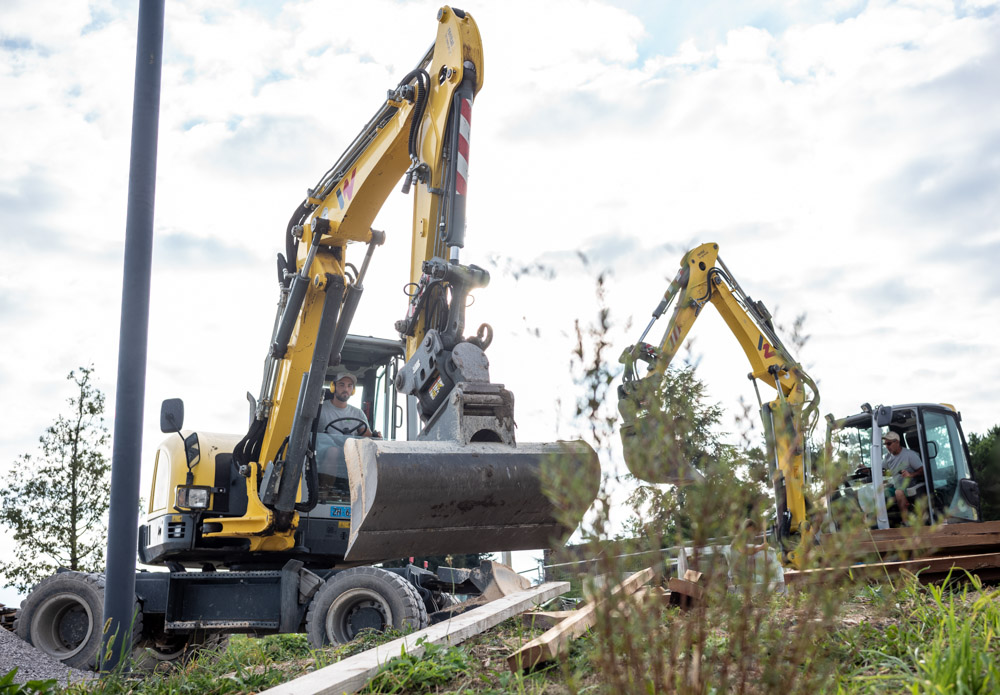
436	498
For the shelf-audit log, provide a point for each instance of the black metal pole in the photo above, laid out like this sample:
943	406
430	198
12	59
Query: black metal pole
119	593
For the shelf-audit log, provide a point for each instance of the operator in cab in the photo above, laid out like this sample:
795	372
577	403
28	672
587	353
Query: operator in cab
904	465
337	409
338	422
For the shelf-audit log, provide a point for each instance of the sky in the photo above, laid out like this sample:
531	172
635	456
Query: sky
845	156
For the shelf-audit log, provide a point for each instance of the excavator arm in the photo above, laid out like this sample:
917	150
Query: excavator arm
703	279
420	136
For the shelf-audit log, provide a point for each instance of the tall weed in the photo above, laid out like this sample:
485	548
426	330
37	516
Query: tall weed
745	637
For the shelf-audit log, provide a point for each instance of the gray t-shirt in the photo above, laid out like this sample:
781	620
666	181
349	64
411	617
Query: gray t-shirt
905	459
331	413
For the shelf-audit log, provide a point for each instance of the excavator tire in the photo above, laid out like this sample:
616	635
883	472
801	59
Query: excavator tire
158	654
63	617
424	610
362	598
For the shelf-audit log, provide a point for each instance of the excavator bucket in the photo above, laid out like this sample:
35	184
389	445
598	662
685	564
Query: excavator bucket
654	456
444	498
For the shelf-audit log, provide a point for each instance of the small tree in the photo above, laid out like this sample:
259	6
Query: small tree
55	502
985	451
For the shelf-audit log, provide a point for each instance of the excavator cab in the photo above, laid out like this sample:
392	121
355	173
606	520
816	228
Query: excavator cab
325	529
934	432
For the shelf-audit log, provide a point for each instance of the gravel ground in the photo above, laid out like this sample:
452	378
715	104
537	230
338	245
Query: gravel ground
34	665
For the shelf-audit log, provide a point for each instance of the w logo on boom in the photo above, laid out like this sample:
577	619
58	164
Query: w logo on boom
346	192
768	351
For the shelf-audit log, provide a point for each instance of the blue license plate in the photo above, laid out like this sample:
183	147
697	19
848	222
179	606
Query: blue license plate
337	512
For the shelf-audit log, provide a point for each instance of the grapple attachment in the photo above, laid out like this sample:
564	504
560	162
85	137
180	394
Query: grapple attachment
440	497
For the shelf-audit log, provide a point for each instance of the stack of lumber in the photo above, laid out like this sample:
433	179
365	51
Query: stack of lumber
565	626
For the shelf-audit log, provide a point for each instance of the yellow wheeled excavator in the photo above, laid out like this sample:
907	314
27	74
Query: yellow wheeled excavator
932	430
263	532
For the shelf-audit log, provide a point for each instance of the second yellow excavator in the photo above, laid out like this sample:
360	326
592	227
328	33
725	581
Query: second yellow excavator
931	430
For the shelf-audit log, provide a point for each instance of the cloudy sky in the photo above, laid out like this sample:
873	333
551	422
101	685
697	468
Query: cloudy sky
845	155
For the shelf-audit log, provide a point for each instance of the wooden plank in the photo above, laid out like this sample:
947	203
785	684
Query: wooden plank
545	619
685	593
692	576
984	535
548	646
986	565
354	672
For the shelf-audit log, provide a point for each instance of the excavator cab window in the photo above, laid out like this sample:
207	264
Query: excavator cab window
374	363
948	464
853	445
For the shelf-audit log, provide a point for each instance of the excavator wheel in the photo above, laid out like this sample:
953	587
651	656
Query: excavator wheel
63	617
362	598
424	610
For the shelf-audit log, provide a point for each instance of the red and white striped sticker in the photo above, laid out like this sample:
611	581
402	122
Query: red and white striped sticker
462	165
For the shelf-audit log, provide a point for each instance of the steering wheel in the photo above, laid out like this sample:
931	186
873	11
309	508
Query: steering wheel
343	428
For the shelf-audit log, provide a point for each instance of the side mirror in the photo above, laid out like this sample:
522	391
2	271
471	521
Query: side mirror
171	415
883	415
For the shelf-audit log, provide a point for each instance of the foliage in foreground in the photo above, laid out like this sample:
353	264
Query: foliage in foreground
934	639
435	667
746	638
32	687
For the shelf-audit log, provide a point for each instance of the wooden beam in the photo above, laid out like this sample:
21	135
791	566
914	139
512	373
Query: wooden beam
692	576
685	593
986	565
548	646
969	536
354	672
545	619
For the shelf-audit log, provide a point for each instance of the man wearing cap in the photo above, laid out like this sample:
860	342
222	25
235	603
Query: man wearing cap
904	465
338	422
338	408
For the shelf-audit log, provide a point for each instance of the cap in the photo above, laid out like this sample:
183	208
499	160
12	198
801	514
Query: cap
890	437
346	375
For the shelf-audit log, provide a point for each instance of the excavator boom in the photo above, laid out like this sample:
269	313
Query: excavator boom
463	483
703	279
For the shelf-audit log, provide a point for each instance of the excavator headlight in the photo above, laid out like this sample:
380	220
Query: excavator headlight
193	497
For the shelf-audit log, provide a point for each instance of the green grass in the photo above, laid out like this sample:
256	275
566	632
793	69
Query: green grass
894	637
935	639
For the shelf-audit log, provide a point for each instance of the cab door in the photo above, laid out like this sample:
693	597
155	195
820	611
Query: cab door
951	485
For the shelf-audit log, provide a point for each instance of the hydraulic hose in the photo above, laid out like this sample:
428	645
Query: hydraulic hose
422	86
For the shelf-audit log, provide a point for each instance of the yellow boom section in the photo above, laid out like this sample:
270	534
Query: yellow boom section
406	136
703	279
